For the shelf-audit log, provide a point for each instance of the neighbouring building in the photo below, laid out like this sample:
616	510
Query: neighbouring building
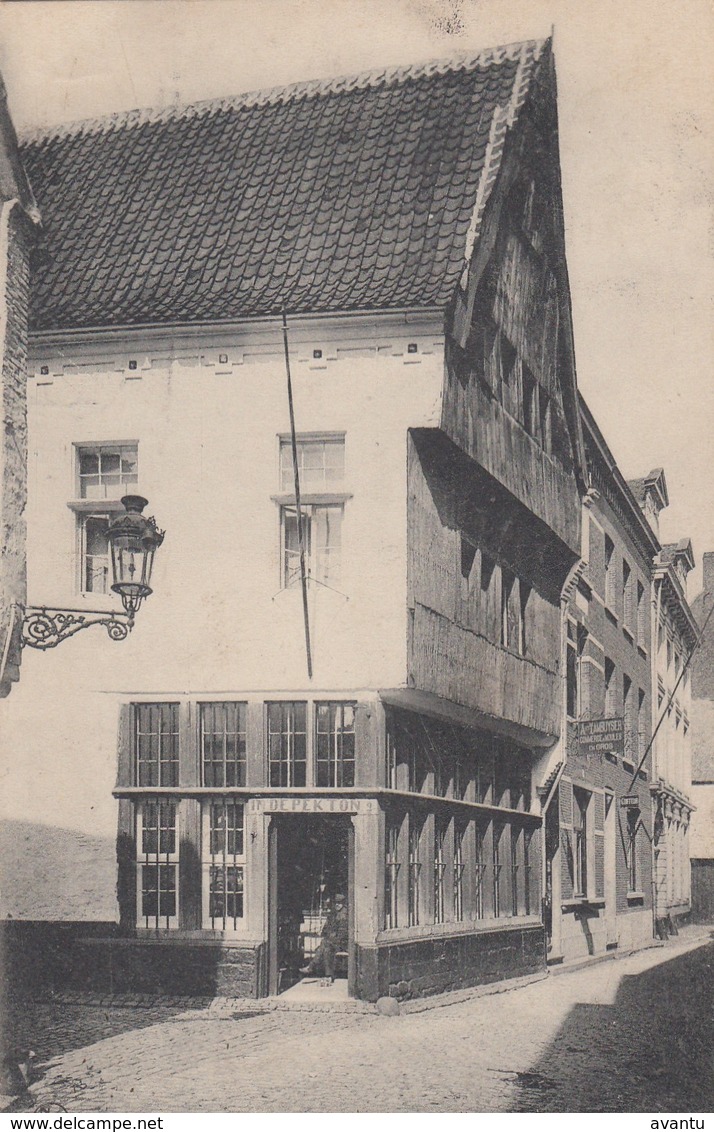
676	636
596	802
701	839
19	222
189	801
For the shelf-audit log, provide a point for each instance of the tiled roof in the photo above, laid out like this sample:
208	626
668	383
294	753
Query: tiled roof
348	194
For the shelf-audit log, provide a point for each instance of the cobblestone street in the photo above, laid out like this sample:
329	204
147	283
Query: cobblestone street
629	1035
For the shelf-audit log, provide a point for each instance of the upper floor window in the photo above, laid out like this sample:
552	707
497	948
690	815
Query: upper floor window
609	572
156	744
321	469
104	473
335	742
322	536
223	744
321	464
107	471
577	639
641	616
287	747
626	593
610	689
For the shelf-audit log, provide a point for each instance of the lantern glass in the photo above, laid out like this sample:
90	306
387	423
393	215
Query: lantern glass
133	540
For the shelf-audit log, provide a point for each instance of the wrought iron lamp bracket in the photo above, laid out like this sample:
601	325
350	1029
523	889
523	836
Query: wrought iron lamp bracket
44	627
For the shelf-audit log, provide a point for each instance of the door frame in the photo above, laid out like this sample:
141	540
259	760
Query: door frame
277	821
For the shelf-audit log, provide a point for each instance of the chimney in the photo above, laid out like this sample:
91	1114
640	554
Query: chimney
708	570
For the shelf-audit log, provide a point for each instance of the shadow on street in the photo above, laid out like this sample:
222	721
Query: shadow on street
652	1050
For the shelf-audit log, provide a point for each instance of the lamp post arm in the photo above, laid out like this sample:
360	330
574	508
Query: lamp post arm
44	627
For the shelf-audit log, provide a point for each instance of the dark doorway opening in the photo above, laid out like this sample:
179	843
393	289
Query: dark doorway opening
313	913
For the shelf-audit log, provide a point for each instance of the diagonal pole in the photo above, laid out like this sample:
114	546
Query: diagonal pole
298	508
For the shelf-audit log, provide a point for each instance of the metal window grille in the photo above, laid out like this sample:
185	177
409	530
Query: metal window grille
391	874
335	746
156	744
414	873
515	869
458	875
439	870
497	866
480	877
527	867
287	736
105	472
226	850
223	744
157	864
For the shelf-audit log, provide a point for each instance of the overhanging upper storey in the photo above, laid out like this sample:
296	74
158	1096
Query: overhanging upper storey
510	398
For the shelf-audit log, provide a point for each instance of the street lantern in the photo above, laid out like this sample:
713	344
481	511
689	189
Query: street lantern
133	540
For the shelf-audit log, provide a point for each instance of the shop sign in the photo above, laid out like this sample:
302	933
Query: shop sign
311	805
601	737
630	802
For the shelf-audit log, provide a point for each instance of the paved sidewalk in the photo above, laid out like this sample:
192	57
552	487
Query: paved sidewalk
627	1036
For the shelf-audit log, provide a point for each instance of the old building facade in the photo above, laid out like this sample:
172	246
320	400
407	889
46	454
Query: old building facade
597	801
702	708
410	224
675	639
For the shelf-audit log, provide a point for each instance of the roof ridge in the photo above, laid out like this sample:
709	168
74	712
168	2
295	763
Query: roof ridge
520	51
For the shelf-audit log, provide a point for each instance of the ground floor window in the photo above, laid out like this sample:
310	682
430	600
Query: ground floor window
224	857
439	871
157	865
633	871
391	875
414	871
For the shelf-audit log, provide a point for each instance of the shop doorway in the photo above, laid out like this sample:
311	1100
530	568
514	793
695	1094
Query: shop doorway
311	902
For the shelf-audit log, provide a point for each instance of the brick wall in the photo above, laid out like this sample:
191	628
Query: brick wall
14	299
436	964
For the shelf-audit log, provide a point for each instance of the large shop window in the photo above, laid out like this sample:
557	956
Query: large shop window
287	744
104	473
335	744
157	744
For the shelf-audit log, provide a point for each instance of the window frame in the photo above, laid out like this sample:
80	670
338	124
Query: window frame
167	860
241	763
234	860
173	732
581	838
87	507
336	762
287	711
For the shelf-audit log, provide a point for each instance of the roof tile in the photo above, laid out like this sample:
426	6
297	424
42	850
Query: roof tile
349	193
